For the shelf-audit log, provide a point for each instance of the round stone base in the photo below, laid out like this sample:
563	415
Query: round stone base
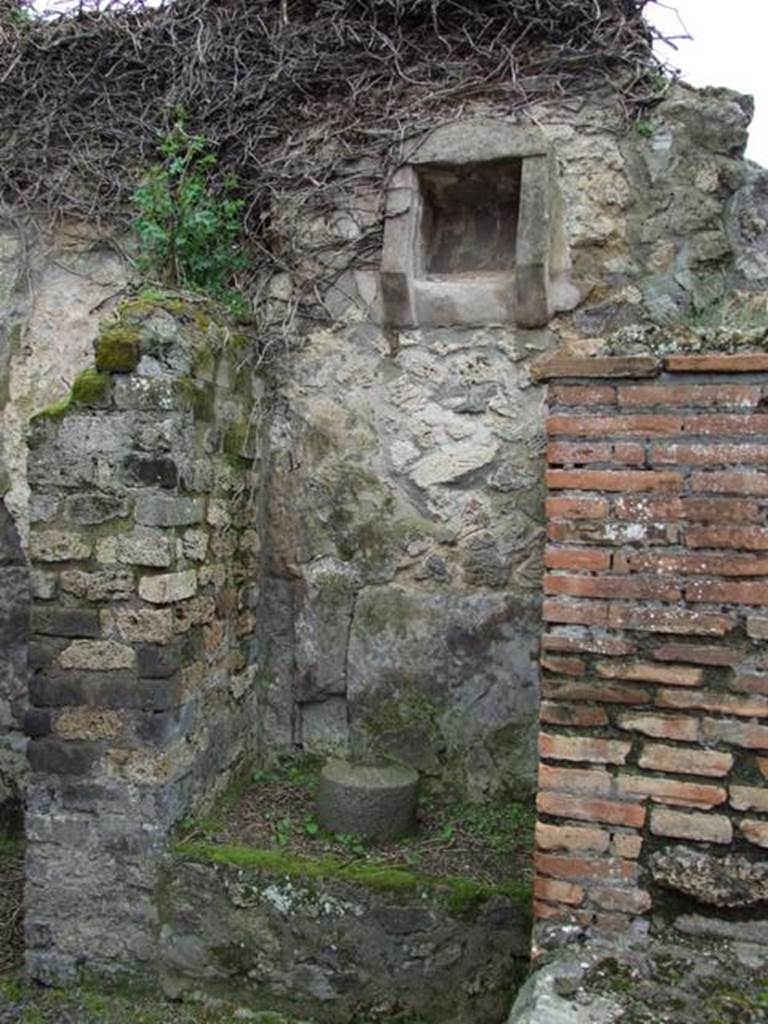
373	802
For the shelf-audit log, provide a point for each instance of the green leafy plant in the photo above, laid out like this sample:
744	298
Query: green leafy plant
644	128
189	224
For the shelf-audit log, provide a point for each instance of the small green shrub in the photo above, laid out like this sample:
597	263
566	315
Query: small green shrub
189	225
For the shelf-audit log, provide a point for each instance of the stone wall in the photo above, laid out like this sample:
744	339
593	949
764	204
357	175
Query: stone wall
406	520
338	942
652	799
145	550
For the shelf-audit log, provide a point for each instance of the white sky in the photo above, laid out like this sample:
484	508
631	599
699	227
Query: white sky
729	47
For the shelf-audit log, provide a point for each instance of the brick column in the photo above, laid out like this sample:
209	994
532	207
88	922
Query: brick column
654	669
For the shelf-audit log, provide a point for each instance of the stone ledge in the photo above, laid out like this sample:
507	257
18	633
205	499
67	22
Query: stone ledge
595	366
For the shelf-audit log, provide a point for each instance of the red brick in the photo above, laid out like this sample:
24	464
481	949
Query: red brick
755	831
557	365
585	808
731	454
749	538
730	483
750	798
589	643
757	627
627	844
577	508
707	828
587	613
604	693
572	714
720	425
590	559
583	748
574	780
689	565
685	760
641	671
581	453
562	666
720	703
648	587
594	531
732	396
743	683
609	868
559	912
737	734
578	453
662	727
581	395
557	891
748	362
699	655
644	508
658	620
571	837
616	426
670	791
613	480
631	901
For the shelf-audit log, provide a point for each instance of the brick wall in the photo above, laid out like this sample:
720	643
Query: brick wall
145	552
654	665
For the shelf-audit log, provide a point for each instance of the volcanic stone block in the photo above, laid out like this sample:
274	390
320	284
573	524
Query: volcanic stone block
374	802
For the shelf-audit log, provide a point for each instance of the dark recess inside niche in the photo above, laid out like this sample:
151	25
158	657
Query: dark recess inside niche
469	218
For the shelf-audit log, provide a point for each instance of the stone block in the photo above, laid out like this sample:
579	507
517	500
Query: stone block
97	655
151	471
142	546
44	585
139	625
167	510
91	509
14	604
61	757
105	585
85	723
58	546
60	621
324	727
118	689
168	588
377	802
159	662
37	723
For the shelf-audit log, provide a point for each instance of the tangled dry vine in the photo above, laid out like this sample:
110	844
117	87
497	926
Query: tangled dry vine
295	95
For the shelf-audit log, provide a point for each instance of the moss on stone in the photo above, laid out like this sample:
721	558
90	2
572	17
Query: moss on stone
236	437
460	895
198	395
117	349
90	387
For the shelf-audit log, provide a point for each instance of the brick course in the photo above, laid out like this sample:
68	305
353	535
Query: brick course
653	671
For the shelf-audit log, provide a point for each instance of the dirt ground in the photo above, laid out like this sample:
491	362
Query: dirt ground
490	842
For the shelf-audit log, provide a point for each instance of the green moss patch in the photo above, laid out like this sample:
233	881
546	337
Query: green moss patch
117	349
459	894
89	388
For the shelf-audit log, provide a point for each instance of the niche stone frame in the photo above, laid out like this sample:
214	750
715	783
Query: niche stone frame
474	230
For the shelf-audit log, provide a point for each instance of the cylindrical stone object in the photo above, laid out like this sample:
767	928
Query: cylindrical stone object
373	802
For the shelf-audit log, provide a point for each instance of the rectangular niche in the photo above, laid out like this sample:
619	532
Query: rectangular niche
474	232
469	218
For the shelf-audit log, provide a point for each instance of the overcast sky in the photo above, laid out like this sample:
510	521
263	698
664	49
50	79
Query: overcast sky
729	47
